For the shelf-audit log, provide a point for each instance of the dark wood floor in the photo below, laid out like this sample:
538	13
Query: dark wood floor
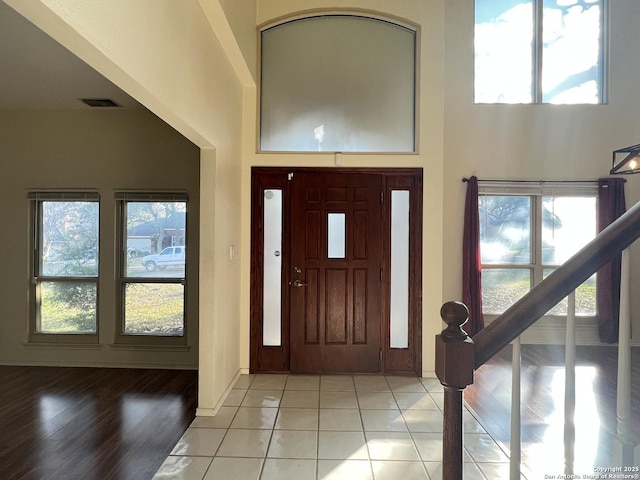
91	423
543	403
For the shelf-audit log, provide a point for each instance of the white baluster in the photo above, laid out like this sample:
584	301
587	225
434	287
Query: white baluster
570	386
623	447
515	440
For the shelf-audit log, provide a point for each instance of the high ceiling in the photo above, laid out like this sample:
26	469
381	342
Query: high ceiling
38	73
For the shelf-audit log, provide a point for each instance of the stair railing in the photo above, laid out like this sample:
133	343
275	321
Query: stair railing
458	355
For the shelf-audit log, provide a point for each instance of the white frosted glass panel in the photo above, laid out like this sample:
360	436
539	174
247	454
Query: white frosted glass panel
336	236
338	83
399	269
272	281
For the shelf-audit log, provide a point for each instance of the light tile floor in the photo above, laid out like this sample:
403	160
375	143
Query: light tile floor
326	428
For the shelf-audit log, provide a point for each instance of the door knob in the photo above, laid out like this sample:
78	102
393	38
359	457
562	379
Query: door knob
298	283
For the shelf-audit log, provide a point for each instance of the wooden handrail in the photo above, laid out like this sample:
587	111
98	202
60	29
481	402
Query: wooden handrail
566	278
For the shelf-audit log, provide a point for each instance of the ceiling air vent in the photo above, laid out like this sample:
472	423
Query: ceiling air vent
99	102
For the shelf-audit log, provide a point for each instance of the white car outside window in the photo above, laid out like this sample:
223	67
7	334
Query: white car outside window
170	256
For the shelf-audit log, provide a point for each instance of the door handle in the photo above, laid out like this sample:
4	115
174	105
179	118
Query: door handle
298	283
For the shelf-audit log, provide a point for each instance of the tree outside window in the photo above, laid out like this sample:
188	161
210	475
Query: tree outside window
524	238
66	269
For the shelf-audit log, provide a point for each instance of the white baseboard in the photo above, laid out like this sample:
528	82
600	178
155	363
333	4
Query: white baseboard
211	412
206	412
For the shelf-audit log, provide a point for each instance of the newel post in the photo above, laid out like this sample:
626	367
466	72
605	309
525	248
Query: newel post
454	368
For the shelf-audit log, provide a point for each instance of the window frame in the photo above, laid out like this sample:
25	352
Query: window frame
537	60
123	197
536	191
36	200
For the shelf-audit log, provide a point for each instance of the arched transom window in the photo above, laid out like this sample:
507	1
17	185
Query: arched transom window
338	83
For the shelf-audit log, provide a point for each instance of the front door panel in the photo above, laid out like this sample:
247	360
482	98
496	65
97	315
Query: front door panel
335	277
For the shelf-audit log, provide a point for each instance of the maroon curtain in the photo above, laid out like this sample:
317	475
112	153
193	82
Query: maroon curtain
471	263
611	205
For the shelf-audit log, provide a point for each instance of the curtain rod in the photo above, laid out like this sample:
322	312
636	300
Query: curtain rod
465	179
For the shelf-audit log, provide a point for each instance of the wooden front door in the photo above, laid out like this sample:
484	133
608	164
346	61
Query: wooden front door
324	295
335	277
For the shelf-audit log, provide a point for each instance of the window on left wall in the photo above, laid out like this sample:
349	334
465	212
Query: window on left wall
65	266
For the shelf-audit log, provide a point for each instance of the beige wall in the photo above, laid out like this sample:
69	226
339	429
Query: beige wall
547	142
241	17
101	150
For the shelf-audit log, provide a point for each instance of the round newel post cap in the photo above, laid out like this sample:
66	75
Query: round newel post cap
454	314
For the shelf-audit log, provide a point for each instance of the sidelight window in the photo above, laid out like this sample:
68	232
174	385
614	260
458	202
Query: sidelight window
399	269
272	275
